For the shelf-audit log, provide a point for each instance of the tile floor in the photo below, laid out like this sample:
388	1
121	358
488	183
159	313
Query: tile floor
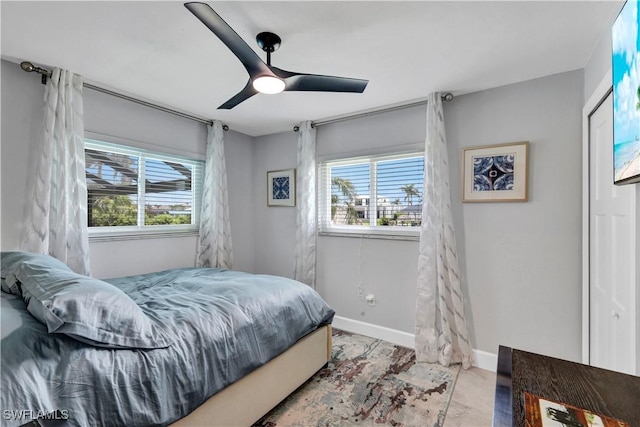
472	401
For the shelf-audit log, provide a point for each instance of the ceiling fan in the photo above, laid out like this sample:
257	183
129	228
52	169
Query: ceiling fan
263	77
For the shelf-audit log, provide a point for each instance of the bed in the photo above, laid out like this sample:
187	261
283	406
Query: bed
181	347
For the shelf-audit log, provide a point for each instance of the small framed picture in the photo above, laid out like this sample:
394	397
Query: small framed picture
281	188
495	173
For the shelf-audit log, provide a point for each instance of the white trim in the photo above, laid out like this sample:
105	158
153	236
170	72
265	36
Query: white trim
485	360
591	105
482	359
372	234
373	230
393	336
115	236
141	155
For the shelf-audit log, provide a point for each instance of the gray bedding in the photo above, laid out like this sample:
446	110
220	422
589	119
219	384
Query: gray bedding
219	326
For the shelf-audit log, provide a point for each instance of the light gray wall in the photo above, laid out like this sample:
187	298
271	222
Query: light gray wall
238	150
522	261
22	104
275	227
22	111
600	61
598	65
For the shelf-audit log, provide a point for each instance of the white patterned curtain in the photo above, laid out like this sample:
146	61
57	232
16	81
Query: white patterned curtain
57	216
214	241
306	219
441	330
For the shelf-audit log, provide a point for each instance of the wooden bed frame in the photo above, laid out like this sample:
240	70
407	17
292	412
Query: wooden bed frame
247	400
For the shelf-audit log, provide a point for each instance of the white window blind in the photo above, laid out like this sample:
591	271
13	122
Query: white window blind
133	190
371	195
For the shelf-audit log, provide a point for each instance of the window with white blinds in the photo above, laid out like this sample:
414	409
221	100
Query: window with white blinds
371	195
133	190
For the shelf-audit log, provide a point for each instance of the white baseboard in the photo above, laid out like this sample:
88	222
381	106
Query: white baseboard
483	359
393	336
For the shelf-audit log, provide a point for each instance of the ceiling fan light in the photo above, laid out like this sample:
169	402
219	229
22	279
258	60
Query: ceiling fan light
268	84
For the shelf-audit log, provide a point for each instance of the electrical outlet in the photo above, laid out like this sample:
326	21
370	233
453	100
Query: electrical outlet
370	299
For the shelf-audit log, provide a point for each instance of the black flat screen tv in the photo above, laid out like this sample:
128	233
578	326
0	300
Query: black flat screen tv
626	95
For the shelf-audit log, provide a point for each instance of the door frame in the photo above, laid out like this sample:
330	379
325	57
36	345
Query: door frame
597	97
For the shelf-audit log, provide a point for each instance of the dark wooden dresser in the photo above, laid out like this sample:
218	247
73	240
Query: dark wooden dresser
599	391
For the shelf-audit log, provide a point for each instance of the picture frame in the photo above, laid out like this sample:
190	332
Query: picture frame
495	173
281	187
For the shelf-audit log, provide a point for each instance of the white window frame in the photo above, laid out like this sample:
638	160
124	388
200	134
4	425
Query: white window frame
325	228
148	231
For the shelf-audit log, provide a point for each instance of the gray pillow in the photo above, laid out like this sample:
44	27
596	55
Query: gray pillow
87	309
10	261
4	286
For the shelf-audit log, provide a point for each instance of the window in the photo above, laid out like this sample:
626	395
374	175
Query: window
169	200
372	195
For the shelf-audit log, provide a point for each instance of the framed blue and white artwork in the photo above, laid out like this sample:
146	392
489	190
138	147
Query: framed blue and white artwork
495	173
281	188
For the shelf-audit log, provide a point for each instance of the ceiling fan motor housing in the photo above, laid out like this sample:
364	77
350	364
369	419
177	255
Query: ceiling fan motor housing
269	42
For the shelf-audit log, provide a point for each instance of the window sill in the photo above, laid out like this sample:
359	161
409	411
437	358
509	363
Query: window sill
413	236
113	236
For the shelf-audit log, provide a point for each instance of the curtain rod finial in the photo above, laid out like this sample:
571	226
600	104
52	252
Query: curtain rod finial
27	66
447	97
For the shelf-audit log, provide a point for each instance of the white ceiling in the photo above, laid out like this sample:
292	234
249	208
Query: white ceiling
160	52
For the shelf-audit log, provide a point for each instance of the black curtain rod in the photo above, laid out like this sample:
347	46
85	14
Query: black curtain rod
29	67
447	97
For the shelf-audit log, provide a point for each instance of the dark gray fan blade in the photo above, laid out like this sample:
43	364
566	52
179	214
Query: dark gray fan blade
319	83
243	95
251	61
257	68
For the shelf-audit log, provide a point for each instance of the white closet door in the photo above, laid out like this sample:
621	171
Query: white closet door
612	221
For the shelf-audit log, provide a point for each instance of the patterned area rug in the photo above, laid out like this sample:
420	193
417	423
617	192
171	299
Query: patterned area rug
368	382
